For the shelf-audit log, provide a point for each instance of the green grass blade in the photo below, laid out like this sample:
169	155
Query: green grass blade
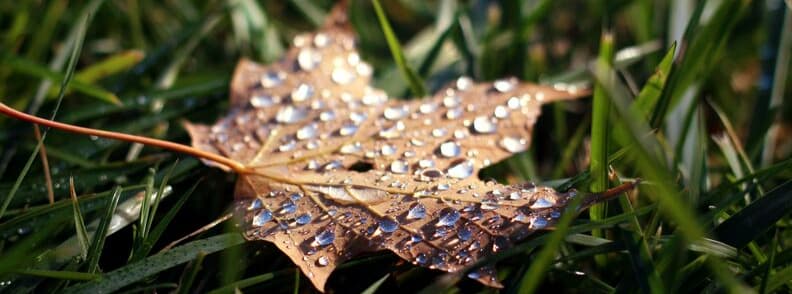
416	84
156	233
540	265
600	137
61	275
136	271
373	288
190	272
79	223
241	284
97	244
756	218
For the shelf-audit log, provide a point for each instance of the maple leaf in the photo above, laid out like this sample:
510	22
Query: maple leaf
335	168
329	167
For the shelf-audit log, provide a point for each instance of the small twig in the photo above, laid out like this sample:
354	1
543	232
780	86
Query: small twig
45	165
205	228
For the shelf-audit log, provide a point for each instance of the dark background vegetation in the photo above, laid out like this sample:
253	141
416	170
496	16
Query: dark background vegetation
712	145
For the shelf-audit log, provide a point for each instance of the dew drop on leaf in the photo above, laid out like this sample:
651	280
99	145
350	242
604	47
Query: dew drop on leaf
347	130
484	125
272	79
302	92
324	238
450	149
388	225
262	218
542	202
303	219
322	261
418	211
261	101
290	114
256	204
399	167
460	169
513	144
448	217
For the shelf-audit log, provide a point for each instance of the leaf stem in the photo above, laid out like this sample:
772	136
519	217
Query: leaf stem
184	149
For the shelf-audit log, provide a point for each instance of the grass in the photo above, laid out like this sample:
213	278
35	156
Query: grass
700	119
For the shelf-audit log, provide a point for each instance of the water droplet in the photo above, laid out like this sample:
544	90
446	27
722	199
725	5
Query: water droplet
555	214
256	204
450	149
312	165
460	169
539	223
451	101
513	144
415	238
308	58
454	113
426	163
358	117
324	238
443	187
399	167
350	148
260	101
388	150
322	261
464	233
288	207
327	115
272	79
302	92
520	218
514	195
543	202
395	112
474	275
342	76
503	85
501	112
464	83
448	217
388	225
291	114
421	259
307	132
441	132
262	218
347	130
392	132
303	219
427	108
333	165
418	211
484	125
288	146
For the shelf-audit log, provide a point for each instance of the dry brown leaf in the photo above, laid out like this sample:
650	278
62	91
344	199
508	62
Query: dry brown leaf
333	167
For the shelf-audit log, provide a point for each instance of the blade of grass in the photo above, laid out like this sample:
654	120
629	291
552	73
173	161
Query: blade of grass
97	244
79	222
374	287
539	267
189	274
156	233
61	275
756	218
416	84
312	12
241	284
598	167
148	266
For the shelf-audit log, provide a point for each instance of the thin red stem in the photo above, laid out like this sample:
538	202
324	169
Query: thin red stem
184	149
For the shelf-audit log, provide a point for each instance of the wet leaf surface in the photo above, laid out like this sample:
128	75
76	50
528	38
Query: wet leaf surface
333	167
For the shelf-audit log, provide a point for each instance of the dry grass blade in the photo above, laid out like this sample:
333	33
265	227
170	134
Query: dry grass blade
45	165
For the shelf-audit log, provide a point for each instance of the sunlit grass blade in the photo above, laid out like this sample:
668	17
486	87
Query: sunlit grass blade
415	82
159	229
600	137
21	65
373	288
